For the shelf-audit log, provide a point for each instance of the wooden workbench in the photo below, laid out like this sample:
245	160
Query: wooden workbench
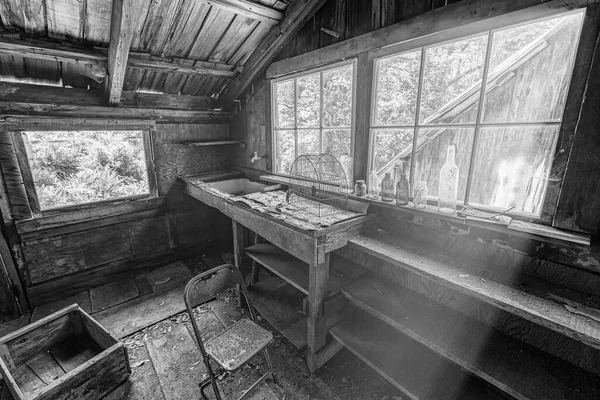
312	248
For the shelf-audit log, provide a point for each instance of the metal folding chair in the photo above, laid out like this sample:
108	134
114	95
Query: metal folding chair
235	346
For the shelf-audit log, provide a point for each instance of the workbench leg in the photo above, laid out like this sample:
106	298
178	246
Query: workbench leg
238	252
318	275
255	265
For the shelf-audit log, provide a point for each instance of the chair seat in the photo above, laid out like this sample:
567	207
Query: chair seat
238	344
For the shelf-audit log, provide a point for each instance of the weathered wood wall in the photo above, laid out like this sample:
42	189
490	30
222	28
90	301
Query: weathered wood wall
63	254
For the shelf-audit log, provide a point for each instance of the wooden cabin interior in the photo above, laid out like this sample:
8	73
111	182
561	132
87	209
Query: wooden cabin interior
146	142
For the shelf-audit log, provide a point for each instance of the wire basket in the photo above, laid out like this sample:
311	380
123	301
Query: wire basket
318	185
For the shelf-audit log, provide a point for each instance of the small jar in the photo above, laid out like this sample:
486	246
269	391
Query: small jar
360	189
420	194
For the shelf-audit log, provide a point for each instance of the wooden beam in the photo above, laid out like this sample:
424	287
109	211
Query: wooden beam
296	16
79	111
38	94
121	29
249	9
465	18
93	62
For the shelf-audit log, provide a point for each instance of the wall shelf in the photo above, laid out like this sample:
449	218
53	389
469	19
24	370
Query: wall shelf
212	143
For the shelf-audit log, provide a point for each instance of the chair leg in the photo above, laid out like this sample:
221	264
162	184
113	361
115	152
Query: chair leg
255	385
267	352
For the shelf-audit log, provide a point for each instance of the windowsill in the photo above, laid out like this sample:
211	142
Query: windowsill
87	212
520	228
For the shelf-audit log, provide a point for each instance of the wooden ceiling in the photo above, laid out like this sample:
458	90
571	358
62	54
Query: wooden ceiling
207	42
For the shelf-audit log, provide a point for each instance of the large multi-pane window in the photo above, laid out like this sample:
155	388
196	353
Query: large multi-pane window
312	114
498	97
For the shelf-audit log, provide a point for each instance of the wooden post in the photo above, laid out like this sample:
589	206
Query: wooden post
121	28
318	275
238	252
255	265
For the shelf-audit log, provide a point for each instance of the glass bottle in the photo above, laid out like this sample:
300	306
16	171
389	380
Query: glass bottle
448	188
373	186
387	188
420	194
402	187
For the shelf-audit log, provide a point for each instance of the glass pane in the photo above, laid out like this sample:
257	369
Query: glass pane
391	146
397	87
337	142
512	166
337	97
285	104
286	150
432	148
309	101
308	141
81	167
530	71
452	81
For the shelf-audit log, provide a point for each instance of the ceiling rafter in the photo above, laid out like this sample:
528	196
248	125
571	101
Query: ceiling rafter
297	15
249	9
121	30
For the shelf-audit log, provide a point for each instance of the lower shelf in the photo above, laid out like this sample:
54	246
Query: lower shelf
409	366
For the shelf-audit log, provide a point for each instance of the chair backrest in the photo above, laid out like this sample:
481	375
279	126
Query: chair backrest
208	284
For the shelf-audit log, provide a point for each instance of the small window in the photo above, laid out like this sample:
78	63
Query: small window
498	97
313	113
70	168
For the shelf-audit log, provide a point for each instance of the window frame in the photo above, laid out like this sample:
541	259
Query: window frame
565	131
294	76
148	133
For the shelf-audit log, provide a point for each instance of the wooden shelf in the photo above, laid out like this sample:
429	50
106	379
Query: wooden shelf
532	307
289	268
211	143
412	368
514	367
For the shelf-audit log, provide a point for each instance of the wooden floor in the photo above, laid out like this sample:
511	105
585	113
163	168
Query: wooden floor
146	312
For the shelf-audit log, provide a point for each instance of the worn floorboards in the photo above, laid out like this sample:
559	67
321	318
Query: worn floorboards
165	358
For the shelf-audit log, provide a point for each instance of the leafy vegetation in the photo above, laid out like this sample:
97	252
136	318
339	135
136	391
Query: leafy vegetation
81	167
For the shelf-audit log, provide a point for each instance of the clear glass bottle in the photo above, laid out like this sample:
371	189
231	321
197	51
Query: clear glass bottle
402	186
387	188
373	186
448	188
420	194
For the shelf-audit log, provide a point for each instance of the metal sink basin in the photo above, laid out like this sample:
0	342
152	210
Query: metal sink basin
237	187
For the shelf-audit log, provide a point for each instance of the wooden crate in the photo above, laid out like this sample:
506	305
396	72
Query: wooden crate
66	355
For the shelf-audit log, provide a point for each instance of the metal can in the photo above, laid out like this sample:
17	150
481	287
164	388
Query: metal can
360	188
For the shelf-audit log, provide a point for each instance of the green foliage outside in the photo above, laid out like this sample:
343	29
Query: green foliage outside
80	167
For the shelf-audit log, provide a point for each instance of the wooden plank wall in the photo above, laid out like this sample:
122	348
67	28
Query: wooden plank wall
57	260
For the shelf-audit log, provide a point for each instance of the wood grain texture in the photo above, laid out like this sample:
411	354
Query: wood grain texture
472	345
19	144
250	9
121	30
462	15
296	15
13	178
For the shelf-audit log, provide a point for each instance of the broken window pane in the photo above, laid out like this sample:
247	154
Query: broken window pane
337	142
308	141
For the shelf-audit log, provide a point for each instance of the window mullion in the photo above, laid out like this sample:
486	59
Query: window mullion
321	113
295	118
486	67
417	118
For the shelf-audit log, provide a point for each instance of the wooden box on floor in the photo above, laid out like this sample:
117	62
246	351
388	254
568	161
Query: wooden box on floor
66	355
